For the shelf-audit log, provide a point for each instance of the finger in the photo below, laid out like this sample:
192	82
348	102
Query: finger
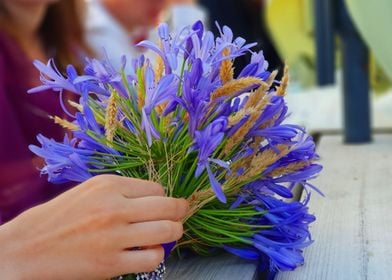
136	261
130	187
150	233
154	208
141	188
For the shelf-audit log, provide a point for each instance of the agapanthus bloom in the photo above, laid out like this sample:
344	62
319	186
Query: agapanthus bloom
183	119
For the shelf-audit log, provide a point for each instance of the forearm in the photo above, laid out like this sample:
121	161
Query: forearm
10	262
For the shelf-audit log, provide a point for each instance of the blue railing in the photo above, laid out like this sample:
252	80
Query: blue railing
331	18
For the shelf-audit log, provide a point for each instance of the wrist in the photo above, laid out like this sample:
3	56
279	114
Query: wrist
9	257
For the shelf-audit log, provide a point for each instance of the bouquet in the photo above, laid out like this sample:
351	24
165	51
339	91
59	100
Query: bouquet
186	121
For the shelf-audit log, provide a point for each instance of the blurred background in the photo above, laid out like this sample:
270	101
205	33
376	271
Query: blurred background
338	51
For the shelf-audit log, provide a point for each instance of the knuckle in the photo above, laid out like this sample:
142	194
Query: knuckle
172	230
99	181
109	180
167	229
177	208
182	208
178	230
156	188
172	206
155	258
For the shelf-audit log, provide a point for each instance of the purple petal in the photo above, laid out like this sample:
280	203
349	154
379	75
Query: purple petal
245	253
216	187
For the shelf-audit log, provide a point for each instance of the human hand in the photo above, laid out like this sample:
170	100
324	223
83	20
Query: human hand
87	232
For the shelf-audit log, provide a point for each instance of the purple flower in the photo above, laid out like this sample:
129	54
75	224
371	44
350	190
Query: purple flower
257	67
87	142
87	124
281	258
237	45
170	49
51	78
245	253
64	161
273	186
206	141
238	125
284	241
156	94
87	121
195	95
302	176
278	134
273	114
198	28
100	75
101	71
202	45
302	150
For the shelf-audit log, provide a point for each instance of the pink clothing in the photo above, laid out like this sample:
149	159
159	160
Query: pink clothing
22	117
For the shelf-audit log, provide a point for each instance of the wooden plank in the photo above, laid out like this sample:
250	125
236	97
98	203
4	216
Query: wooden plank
353	231
224	266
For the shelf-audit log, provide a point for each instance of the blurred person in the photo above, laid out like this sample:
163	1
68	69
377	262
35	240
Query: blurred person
115	26
31	29
85	231
185	12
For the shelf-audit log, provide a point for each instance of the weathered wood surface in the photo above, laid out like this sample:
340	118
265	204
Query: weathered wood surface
353	231
225	267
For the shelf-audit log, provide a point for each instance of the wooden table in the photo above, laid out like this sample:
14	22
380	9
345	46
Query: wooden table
353	231
225	266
